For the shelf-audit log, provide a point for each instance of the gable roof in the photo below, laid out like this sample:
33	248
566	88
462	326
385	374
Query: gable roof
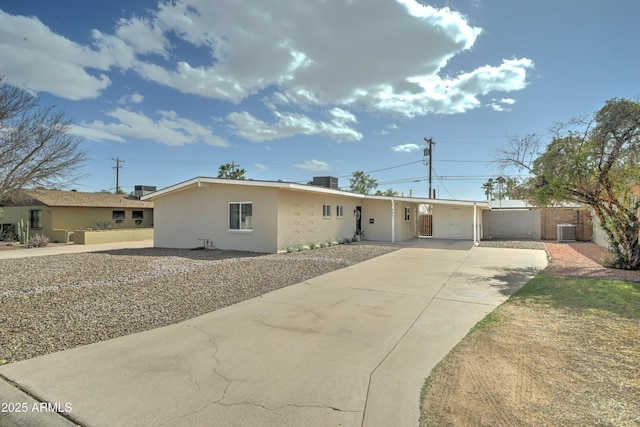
207	181
81	199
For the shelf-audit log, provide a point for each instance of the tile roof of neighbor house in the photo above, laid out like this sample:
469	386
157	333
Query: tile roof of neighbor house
81	199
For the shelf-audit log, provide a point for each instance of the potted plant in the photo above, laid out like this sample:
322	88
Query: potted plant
358	235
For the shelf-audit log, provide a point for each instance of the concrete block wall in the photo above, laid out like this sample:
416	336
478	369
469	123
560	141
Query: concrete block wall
512	224
536	224
551	217
86	237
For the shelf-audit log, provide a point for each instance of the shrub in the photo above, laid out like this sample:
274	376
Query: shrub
38	241
103	225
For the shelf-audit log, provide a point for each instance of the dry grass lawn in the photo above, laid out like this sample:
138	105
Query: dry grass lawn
563	351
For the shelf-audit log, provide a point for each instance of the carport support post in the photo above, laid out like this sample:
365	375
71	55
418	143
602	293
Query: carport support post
393	221
475	224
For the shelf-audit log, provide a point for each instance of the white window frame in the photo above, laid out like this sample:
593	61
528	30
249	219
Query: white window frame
407	214
239	229
340	211
326	211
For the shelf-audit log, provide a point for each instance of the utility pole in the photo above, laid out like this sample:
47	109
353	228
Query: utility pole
233	167
429	151
117	168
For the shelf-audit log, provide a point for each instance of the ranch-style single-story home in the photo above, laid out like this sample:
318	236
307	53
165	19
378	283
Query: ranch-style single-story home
269	216
57	214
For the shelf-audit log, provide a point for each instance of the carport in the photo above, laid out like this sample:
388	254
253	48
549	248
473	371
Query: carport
394	219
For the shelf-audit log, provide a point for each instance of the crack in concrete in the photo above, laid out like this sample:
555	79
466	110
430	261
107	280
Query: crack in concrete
229	382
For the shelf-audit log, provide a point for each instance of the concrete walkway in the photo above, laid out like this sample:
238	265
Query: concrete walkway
349	348
72	249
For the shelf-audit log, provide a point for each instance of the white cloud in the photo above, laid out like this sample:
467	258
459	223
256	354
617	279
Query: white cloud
290	124
260	167
314	166
168	129
30	53
143	36
134	98
377	56
499	104
406	148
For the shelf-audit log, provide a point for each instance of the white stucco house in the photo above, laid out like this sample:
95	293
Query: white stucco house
268	216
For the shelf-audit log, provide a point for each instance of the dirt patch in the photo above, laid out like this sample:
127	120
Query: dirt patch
583	259
545	361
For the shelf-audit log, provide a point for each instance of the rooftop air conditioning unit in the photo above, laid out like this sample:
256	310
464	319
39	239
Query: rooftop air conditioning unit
325	181
566	233
141	190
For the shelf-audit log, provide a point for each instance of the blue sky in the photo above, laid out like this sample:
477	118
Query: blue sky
292	90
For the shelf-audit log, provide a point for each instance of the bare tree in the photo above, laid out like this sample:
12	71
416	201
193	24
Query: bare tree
36	148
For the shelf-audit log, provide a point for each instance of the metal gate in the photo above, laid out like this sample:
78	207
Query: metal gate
426	225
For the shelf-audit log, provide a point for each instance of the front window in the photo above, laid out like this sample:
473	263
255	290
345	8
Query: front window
118	215
339	211
241	216
407	214
35	219
326	211
137	215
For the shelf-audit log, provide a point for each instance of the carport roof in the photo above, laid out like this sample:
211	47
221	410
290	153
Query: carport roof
292	186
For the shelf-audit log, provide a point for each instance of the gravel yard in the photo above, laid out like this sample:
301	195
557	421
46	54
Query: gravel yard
53	303
512	244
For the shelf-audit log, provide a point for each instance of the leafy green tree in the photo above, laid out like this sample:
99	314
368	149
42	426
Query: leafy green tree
594	161
488	188
507	187
389	192
501	181
362	183
231	171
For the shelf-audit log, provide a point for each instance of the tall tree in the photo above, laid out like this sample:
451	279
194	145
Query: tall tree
488	188
389	192
501	181
36	148
362	183
594	161
231	171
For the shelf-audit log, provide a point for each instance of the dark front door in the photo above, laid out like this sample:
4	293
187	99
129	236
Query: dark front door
358	218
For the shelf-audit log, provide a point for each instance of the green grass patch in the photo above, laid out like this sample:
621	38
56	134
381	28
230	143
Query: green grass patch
578	294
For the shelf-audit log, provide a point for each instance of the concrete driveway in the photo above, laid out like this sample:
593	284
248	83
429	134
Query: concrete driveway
348	348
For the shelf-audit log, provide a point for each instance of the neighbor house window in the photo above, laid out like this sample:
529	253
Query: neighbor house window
241	216
118	215
407	212
35	219
326	211
339	211
137	215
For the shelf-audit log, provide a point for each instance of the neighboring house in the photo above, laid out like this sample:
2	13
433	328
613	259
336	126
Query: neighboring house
57	214
269	216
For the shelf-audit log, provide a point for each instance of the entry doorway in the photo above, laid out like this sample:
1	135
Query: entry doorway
425	221
455	223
